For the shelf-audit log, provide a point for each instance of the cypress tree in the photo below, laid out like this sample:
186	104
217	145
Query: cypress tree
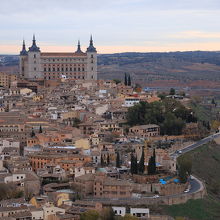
129	80
118	160
108	160
102	161
152	164
32	133
40	129
126	80
134	166
141	163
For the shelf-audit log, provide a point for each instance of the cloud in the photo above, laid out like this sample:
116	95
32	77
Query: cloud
114	23
195	35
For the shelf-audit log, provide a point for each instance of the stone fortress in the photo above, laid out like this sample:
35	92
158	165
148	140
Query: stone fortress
37	65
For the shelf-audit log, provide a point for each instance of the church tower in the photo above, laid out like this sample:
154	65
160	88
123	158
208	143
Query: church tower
34	61
91	61
23	61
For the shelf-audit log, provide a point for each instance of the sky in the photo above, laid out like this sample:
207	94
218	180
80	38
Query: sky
116	25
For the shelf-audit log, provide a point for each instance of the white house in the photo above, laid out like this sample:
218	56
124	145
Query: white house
121	211
140	212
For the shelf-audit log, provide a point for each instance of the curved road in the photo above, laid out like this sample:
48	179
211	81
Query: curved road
197	144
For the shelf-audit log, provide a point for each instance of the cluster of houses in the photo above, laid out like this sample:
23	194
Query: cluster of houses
61	141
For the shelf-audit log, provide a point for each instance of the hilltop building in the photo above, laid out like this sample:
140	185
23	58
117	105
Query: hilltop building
37	65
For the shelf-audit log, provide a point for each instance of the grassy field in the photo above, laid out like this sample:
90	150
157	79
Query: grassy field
206	165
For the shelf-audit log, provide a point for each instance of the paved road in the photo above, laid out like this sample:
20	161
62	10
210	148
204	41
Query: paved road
196	184
196	145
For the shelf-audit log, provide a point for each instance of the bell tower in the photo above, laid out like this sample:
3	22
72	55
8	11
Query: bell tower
23	61
91	61
34	64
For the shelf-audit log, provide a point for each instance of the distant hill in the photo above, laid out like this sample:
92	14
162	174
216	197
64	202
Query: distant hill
163	69
181	69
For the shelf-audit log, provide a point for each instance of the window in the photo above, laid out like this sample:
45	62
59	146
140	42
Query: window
34	55
91	55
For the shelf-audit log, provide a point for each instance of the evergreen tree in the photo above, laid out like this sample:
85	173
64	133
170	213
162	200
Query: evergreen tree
154	163
151	168
213	101
141	163
102	161
172	91
134	165
129	80
126	80
108	160
32	133
40	129
118	160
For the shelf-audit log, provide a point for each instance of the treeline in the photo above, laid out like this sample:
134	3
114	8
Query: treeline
168	113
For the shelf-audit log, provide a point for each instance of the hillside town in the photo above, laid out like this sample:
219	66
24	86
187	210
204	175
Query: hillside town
74	147
67	149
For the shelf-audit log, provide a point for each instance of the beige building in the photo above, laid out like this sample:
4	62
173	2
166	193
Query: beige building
145	131
7	79
37	65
